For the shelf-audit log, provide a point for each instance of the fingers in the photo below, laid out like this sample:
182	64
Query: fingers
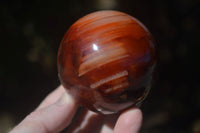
86	122
110	123
106	129
129	122
52	97
50	119
54	114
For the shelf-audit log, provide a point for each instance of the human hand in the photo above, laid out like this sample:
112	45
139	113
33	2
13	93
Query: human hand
55	113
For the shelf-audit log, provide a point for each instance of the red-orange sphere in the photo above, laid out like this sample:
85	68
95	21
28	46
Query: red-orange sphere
106	60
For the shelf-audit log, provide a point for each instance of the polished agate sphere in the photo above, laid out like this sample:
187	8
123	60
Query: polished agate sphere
106	60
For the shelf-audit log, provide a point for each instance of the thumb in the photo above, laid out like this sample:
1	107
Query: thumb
53	118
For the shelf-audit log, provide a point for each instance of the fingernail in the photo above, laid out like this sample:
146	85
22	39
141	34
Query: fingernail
65	99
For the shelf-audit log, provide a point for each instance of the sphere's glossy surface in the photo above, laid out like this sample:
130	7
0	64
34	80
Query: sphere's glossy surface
106	60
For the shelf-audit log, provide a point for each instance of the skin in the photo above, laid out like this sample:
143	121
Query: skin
57	110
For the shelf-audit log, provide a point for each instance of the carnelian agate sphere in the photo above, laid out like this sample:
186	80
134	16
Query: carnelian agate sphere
106	60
